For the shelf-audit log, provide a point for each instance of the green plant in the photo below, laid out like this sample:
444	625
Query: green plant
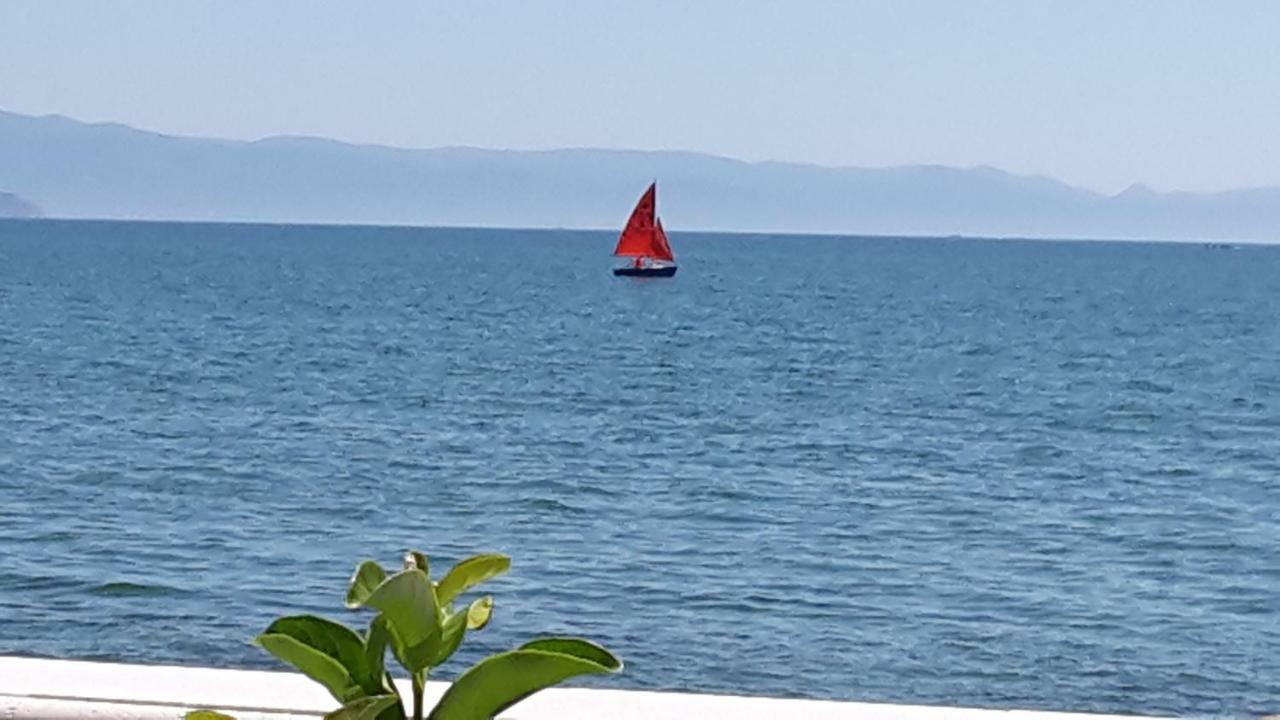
417	620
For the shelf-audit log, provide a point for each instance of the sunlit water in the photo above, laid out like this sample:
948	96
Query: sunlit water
991	473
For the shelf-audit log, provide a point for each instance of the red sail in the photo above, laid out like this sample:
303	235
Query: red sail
637	239
661	248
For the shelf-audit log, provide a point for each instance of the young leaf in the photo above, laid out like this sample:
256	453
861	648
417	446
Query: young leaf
368	576
471	572
419	561
500	681
408	602
365	708
478	613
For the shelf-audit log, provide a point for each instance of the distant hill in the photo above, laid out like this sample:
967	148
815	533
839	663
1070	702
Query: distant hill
12	206
75	169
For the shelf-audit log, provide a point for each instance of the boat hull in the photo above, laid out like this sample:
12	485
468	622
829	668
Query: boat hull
665	271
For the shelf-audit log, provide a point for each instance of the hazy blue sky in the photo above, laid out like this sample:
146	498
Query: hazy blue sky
1175	94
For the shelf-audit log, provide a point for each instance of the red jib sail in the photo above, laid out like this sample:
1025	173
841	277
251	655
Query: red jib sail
661	248
643	236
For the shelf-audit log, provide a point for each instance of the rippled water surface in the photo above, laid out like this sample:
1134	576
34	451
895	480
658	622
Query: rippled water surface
967	472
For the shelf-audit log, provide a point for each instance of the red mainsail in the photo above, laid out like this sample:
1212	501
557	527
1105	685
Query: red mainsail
643	236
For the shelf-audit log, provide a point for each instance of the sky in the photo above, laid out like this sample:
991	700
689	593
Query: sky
1173	94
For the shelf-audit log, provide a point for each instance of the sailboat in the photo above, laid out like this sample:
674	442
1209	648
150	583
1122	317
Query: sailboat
644	240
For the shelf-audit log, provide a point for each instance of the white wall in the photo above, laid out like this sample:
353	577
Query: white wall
35	689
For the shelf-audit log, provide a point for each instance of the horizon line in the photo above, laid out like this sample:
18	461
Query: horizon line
611	230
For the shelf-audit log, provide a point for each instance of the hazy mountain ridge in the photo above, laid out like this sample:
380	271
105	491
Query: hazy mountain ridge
109	170
12	206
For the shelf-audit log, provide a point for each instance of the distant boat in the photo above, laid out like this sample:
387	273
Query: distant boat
644	240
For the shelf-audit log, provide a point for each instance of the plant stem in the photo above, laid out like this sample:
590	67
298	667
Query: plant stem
419	684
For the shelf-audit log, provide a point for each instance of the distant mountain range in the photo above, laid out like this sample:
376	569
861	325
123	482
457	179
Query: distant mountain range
80	170
12	206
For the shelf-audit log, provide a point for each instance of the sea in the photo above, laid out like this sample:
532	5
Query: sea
969	472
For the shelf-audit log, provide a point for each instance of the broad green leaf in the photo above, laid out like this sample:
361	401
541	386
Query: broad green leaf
471	572
455	626
368	576
577	647
500	681
408	602
206	715
332	640
478	613
314	664
365	708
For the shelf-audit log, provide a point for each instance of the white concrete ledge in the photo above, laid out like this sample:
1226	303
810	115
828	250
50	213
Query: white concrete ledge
34	689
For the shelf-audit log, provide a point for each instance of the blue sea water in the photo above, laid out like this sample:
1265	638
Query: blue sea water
966	472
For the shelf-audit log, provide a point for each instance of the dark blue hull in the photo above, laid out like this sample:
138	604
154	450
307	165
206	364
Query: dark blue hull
666	271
